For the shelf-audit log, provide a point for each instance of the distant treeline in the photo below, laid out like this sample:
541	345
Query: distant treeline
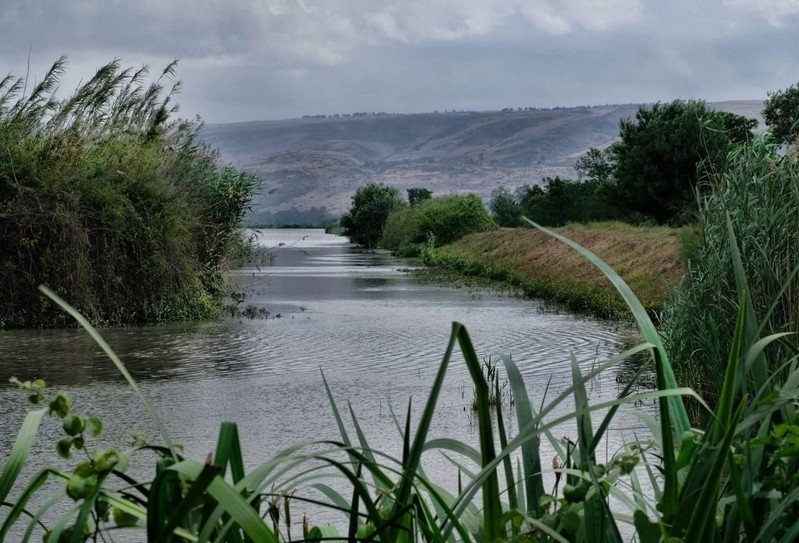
437	112
655	173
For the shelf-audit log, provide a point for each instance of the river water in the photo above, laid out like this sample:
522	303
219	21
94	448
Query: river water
377	332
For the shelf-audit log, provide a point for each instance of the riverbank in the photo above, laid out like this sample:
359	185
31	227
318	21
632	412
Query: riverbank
649	259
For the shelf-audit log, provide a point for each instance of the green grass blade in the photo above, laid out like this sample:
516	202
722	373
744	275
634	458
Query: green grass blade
412	457
228	451
513	503
492	508
21	502
759	370
36	520
194	497
165	497
117	362
337	499
339	422
585	431
455	446
352	529
605	424
533	478
702	511
732	385
19	451
648	330
238	508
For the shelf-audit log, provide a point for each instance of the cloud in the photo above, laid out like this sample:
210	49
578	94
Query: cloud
249	59
774	11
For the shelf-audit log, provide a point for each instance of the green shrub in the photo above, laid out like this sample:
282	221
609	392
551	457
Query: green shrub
445	218
110	202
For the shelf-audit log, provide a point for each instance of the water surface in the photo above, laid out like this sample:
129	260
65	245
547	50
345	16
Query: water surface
377	332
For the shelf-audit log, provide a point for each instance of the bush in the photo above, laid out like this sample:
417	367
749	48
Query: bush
445	219
111	203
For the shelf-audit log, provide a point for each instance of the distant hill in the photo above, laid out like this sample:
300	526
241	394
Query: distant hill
311	166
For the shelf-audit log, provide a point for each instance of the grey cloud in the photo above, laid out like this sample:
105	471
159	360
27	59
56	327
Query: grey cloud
251	59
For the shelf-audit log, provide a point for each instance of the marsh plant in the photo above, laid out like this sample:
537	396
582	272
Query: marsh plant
111	201
733	480
759	192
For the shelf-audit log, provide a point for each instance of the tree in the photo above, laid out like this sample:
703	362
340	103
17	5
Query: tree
371	207
504	208
781	113
418	195
595	165
659	161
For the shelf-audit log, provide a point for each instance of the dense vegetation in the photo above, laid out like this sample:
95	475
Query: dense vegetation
111	202
438	221
781	113
733	480
652	174
379	218
757	196
371	206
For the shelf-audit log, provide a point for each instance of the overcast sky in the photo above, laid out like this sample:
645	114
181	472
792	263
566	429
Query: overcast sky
271	59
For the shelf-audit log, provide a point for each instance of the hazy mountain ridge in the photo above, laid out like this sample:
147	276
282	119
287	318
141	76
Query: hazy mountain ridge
312	166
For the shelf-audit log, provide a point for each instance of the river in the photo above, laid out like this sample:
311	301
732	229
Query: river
376	331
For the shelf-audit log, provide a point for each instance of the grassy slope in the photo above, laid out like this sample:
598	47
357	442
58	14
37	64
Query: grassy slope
648	258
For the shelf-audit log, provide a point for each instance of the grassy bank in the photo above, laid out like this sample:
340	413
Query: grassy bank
647	258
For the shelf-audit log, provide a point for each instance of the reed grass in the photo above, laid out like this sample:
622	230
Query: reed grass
112	201
734	480
759	191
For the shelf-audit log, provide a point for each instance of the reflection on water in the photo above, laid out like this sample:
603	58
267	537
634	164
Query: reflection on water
378	334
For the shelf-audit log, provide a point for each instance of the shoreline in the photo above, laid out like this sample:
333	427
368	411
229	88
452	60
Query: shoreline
533	265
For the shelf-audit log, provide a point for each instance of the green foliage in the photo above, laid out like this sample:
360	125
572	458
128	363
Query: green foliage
596	165
418	195
666	151
505	210
561	201
108	200
781	113
759	189
443	219
371	206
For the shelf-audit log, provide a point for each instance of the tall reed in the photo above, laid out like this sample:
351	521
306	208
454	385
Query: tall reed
759	190
110	200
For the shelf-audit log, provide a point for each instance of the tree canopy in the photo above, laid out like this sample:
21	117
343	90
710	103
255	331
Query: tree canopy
505	210
781	113
659	161
371	206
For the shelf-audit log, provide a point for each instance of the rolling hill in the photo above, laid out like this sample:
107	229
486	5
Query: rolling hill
311	166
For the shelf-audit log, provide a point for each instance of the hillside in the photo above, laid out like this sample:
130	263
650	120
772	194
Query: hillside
311	166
